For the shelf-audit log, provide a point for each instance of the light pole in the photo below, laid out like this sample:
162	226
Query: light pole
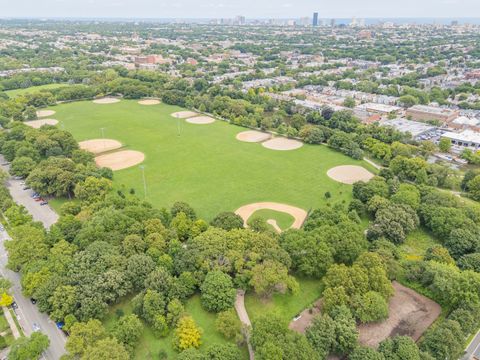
142	167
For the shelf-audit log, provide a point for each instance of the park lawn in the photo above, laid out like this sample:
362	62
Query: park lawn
284	220
285	305
150	346
416	244
33	89
205	165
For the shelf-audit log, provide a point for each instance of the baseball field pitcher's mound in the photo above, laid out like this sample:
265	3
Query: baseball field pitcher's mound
245	212
201	120
184	114
45	113
37	124
253	136
98	146
149	102
349	174
106	101
282	144
120	160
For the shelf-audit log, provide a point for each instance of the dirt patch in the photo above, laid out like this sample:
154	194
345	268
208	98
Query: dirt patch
149	102
36	124
45	113
120	160
349	174
106	101
201	120
282	144
410	314
273	223
98	146
299	214
184	114
253	136
306	317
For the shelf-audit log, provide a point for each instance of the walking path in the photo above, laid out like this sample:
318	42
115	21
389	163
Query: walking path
376	166
11	322
243	316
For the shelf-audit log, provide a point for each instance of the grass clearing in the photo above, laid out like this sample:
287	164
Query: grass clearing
150	346
33	89
206	166
285	305
283	220
416	244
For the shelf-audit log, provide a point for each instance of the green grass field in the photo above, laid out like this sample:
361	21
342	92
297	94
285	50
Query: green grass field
32	89
205	165
285	305
284	220
150	346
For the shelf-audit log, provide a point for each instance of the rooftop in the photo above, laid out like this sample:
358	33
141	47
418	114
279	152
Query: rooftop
413	127
432	110
468	136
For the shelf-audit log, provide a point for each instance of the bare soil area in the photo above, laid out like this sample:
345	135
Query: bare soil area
253	136
98	146
120	160
45	113
149	102
298	214
201	120
184	114
410	315
106	101
349	174
36	124
282	144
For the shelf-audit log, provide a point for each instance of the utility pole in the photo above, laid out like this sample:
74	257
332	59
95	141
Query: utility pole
142	167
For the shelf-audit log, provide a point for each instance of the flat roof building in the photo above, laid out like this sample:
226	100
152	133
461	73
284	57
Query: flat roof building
431	113
415	128
466	138
315	19
379	108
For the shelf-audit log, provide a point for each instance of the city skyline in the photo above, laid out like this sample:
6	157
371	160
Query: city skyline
190	9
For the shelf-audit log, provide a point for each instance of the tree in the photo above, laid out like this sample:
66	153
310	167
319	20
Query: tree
345	330
28	348
399	347
394	222
270	277
22	166
84	335
371	307
228	324
444	341
445	145
5	300
106	349
92	189
321	334
349	102
408	101
128	331
365	353
187	334
223	352
217	291
227	221
183	207
474	188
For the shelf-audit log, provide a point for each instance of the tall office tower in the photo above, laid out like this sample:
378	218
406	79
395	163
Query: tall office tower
315	19
332	23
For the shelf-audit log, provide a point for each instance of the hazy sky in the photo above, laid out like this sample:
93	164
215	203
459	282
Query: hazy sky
230	8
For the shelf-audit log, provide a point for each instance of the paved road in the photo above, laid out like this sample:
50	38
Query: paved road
472	347
27	313
44	214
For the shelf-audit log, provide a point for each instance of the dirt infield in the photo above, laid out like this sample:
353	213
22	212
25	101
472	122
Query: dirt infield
120	160
282	144
98	146
410	314
106	101
45	113
149	102
349	174
36	124
201	120
299	214
184	114
253	136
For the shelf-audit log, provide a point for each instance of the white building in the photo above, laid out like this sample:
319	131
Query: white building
466	138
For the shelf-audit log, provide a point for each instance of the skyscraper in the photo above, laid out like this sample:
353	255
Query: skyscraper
315	19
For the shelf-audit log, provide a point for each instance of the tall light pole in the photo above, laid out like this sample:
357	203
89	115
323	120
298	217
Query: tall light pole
142	167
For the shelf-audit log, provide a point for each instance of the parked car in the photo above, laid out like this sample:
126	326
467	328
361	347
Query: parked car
14	305
26	187
34	301
36	327
43	203
39	199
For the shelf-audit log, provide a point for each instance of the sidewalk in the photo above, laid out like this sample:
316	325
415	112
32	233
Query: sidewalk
11	322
